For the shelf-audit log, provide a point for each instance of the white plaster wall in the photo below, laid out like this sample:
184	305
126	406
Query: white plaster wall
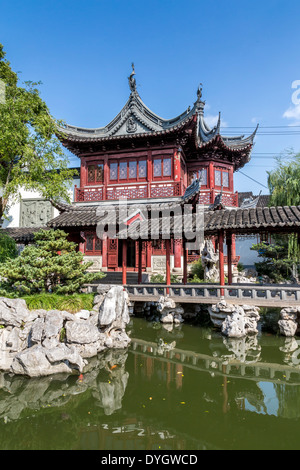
248	256
13	214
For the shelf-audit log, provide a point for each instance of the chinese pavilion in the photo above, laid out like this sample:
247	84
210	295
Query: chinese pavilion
147	159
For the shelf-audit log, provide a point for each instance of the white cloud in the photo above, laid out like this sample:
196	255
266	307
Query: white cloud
293	112
212	121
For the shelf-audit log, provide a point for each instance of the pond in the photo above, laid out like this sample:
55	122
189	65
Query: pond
176	388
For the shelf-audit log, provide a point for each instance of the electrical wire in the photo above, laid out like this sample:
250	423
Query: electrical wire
239	171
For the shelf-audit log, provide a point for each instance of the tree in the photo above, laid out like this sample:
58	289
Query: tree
275	264
29	143
284	181
51	264
281	258
8	248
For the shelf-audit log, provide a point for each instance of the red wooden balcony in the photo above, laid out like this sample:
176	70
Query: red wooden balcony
148	190
134	191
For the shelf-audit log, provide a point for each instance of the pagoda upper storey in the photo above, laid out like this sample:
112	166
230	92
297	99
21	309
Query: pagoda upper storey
136	126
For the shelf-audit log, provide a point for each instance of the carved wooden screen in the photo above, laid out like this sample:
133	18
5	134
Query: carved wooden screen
112	253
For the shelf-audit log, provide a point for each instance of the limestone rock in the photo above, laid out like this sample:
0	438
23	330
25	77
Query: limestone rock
14	312
287	328
170	312
82	332
41	343
235	321
114	308
289	323
234	326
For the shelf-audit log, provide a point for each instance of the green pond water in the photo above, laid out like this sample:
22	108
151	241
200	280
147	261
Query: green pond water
208	392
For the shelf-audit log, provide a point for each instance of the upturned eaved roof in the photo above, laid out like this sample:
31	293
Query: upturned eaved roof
236	220
136	120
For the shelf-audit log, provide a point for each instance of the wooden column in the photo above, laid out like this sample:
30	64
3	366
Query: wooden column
148	255
168	268
140	274
82	173
82	242
104	251
221	259
105	177
149	172
124	262
177	253
211	181
177	168
185	263
229	257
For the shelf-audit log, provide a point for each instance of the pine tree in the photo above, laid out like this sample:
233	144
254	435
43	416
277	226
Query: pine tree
8	248
50	264
276	263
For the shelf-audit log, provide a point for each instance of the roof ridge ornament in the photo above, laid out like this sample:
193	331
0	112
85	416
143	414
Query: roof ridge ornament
131	80
199	92
199	103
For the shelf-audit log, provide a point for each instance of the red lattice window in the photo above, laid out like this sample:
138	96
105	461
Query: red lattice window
162	167
93	244
128	170
95	173
221	178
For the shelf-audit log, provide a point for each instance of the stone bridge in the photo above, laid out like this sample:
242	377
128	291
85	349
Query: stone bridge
276	296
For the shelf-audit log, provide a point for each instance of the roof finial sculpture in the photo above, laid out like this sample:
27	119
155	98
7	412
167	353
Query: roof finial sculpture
199	92
131	79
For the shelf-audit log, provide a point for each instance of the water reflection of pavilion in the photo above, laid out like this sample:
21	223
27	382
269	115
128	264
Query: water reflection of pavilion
229	367
117	384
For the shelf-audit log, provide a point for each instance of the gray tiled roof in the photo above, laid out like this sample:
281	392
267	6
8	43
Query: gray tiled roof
280	219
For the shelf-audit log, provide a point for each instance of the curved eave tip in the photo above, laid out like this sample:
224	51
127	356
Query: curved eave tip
255	130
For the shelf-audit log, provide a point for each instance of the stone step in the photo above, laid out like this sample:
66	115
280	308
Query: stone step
116	278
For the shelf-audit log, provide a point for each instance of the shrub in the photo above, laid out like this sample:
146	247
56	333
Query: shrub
197	271
8	248
161	279
50	265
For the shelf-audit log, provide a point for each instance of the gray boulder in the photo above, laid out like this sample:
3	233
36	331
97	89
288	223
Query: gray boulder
41	343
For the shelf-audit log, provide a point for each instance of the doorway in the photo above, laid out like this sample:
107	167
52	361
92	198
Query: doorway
131	254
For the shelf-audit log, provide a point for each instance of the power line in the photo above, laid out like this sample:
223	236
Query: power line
260	127
267	133
253	179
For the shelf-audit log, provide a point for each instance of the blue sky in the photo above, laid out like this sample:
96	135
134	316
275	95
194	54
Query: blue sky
245	53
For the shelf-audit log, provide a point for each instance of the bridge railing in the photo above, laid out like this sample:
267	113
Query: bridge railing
213	292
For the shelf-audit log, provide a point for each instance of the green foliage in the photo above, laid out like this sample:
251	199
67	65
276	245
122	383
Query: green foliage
29	146
284	186
51	264
161	279
240	267
71	303
276	263
284	181
8	248
196	272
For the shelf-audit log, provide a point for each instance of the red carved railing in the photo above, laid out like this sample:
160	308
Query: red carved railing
130	192
88	194
156	190
165	190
